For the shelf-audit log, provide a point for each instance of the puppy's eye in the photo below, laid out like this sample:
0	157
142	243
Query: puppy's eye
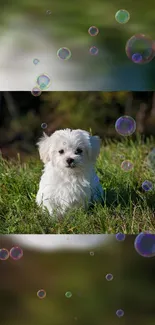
61	151
78	151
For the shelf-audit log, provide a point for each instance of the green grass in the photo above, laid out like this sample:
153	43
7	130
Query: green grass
127	207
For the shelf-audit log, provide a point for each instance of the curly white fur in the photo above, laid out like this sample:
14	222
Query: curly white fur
69	179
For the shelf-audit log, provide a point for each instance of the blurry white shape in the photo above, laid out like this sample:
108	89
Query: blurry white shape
54	242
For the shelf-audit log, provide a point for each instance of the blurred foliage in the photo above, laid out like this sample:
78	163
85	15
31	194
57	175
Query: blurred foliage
94	300
68	24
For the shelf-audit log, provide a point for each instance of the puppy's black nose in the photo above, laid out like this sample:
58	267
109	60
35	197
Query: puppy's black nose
69	161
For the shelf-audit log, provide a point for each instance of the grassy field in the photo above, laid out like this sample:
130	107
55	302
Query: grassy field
127	207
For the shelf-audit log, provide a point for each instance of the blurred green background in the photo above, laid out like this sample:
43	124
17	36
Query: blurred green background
94	300
22	114
28	31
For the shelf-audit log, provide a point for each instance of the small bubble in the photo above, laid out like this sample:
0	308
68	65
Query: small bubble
120	313
109	277
43	81
41	293
125	125
122	16
68	294
64	53
147	186
91	253
120	236
4	254
93	31
16	253
137	58
36	61
36	92
127	165
145	244
48	12
43	125
93	50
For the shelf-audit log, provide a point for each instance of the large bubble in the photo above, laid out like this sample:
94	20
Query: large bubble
125	125
140	49
145	244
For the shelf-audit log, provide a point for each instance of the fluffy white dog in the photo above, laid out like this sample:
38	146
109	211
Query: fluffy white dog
69	180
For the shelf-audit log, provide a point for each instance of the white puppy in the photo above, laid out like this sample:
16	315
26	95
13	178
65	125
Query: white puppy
69	179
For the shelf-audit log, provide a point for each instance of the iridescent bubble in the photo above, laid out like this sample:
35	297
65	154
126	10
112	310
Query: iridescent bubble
140	49
151	158
145	244
120	313
137	58
93	50
36	61
68	294
120	236
93	31
43	125
36	92
91	253
122	16
43	81
127	165
147	186
64	53
109	277
41	293
125	125
16	253
4	254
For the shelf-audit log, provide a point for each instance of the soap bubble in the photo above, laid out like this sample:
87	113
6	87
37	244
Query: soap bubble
93	31
93	50
35	61
137	58
43	125
147	186
145	244
68	294
16	253
64	53
109	277
41	293
4	254
127	165
48	12
120	313
120	236
122	16
43	81
36	92
125	125
140	49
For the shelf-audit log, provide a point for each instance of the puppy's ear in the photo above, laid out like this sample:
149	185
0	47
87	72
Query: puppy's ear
43	147
95	142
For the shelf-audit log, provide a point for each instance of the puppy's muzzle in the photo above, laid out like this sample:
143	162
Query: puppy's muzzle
70	162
